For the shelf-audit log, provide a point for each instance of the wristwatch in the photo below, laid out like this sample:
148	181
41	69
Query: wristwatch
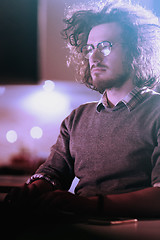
40	176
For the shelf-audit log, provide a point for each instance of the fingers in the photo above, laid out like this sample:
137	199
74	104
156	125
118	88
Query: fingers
16	195
62	201
52	202
21	196
28	199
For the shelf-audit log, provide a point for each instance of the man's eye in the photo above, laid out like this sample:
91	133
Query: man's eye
106	51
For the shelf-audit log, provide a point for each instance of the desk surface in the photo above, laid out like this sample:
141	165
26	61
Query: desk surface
143	229
147	230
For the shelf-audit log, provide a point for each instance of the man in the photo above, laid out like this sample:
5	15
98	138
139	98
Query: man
111	146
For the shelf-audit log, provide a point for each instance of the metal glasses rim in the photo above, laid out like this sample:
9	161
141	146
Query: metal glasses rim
96	46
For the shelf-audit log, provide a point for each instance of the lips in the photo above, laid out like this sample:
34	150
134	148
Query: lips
98	69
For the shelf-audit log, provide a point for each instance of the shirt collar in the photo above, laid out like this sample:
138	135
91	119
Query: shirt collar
130	100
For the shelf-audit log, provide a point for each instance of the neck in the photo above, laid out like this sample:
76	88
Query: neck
115	95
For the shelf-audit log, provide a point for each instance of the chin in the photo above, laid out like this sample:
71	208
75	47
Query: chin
102	85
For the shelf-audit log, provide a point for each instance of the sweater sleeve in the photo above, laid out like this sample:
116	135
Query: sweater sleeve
59	166
155	177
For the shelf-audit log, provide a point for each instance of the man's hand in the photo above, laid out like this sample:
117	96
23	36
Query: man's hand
31	198
65	201
21	196
27	194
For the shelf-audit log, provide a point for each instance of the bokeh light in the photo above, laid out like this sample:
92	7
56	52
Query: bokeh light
11	136
48	86
36	132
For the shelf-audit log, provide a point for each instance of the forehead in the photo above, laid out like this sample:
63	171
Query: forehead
107	31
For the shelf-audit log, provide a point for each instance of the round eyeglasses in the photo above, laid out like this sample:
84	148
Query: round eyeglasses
104	47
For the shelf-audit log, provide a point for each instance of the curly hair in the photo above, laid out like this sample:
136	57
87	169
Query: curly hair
140	33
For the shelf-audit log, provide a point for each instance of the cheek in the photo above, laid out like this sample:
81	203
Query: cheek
116	65
117	62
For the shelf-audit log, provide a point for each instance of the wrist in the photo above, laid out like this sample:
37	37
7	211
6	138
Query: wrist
46	181
42	185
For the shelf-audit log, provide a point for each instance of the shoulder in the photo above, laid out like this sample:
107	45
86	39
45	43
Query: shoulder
150	106
81	113
153	99
84	109
89	106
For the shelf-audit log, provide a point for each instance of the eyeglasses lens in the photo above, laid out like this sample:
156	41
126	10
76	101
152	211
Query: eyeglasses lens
103	47
87	51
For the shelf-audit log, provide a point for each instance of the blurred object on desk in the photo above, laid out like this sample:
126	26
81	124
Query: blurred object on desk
22	163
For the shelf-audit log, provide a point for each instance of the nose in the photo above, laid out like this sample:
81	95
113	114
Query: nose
96	56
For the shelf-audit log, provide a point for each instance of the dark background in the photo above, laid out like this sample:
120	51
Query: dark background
18	41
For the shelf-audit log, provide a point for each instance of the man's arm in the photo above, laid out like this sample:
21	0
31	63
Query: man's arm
141	203
137	204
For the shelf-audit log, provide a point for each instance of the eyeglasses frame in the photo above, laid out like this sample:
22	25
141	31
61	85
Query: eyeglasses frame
97	47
